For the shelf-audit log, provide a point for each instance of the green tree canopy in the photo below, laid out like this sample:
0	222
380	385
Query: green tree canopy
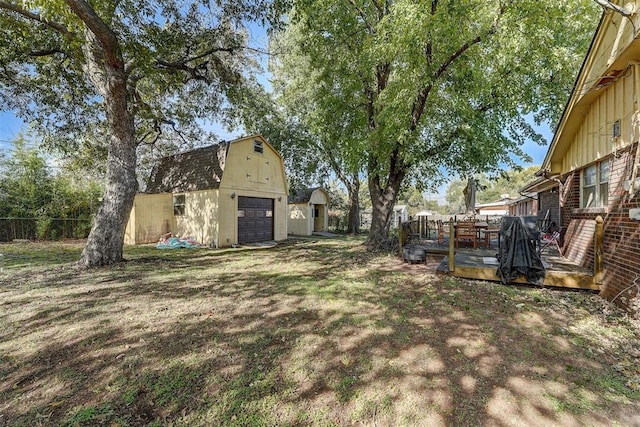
418	87
115	79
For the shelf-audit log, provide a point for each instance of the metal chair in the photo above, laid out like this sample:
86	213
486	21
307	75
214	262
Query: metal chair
551	240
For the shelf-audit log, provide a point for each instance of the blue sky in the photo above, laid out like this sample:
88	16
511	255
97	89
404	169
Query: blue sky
10	127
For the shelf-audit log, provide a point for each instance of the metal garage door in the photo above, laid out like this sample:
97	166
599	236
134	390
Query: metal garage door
255	219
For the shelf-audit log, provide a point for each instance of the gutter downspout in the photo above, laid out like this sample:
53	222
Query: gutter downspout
611	6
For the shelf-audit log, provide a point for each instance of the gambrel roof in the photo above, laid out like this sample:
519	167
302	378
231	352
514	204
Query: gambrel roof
302	195
199	169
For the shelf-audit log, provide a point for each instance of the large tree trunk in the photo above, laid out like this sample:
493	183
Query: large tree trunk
353	225
106	240
383	199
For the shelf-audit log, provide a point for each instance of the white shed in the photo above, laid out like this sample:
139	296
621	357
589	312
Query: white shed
308	211
400	215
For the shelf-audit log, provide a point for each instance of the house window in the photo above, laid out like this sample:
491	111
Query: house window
178	204
595	185
257	146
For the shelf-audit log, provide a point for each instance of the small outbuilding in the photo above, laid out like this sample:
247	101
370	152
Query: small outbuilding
225	194
400	215
498	207
308	211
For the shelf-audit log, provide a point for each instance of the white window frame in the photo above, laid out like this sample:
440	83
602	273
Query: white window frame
594	185
179	203
258	147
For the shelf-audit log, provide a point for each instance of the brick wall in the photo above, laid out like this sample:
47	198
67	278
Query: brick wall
621	242
550	201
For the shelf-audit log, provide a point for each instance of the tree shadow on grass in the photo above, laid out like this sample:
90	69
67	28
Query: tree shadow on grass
320	344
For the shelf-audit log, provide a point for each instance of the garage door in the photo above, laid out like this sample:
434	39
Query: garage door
255	219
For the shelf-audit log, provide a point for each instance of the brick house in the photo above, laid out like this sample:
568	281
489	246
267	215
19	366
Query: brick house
592	166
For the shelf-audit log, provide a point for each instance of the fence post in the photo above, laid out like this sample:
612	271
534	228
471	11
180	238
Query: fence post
452	245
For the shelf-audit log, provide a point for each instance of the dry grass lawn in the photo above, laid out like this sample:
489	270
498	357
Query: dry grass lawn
316	332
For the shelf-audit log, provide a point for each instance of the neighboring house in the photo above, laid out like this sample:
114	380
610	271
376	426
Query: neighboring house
497	208
365	218
225	194
592	166
523	205
308	211
424	213
400	215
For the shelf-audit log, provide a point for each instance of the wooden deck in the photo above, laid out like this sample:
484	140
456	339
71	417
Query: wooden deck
482	264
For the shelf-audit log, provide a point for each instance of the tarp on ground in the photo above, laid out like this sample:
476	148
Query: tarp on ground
176	242
518	256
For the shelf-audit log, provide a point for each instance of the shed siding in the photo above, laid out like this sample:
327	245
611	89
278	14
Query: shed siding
251	174
200	217
300	217
319	197
150	218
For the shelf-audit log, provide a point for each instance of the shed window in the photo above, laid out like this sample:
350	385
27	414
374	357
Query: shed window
257	146
178	204
595	185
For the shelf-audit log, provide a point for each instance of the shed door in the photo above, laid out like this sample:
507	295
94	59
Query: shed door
255	219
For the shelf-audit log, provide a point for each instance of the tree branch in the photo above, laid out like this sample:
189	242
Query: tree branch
183	62
363	15
36	17
105	36
45	52
423	95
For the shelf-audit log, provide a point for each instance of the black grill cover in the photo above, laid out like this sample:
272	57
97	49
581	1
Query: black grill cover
517	254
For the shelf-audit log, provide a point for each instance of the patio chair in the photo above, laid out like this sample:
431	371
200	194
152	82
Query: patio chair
466	232
550	240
